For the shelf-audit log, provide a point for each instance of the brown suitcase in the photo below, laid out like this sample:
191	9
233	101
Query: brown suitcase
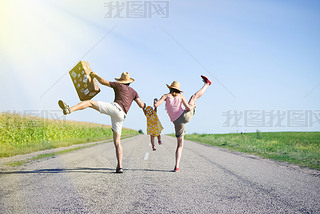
86	87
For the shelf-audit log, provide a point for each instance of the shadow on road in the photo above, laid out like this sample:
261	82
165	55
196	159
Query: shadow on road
77	170
149	170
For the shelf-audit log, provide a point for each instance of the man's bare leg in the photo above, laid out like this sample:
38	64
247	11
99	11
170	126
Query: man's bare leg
119	151
116	137
80	106
85	104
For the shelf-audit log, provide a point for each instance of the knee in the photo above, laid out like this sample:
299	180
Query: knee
90	103
116	138
194	97
117	143
180	142
179	147
86	103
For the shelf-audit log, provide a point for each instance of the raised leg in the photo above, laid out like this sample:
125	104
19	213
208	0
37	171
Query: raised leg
198	94
85	104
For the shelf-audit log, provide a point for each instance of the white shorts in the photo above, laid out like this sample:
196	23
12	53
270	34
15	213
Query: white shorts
115	112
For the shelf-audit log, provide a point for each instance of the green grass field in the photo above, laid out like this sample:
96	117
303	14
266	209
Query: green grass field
300	148
26	134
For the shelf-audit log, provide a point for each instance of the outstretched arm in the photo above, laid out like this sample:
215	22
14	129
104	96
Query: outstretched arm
157	103
155	108
140	103
100	79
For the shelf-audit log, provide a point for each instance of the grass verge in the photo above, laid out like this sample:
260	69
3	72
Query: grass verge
300	148
51	154
47	155
20	134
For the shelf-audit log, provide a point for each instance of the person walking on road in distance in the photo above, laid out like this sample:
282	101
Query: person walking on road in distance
124	96
179	116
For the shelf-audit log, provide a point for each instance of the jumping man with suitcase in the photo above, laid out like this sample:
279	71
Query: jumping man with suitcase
124	96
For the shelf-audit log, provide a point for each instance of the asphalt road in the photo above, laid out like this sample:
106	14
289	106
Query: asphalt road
211	180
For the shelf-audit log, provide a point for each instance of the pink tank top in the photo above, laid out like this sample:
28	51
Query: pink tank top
174	107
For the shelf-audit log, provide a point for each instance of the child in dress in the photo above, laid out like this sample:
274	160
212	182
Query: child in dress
154	126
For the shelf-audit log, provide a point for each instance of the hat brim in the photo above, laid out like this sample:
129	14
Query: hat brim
119	80
169	86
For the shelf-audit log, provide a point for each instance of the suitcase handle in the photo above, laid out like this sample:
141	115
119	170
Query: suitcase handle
91	74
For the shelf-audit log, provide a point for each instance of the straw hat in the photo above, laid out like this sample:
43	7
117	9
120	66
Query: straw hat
175	85
125	78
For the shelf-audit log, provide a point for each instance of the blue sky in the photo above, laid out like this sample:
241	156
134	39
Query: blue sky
263	57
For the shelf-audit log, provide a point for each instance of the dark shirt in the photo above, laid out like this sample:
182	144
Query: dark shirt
124	95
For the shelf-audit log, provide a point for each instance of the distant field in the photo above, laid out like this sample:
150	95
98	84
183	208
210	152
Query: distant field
300	148
25	134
